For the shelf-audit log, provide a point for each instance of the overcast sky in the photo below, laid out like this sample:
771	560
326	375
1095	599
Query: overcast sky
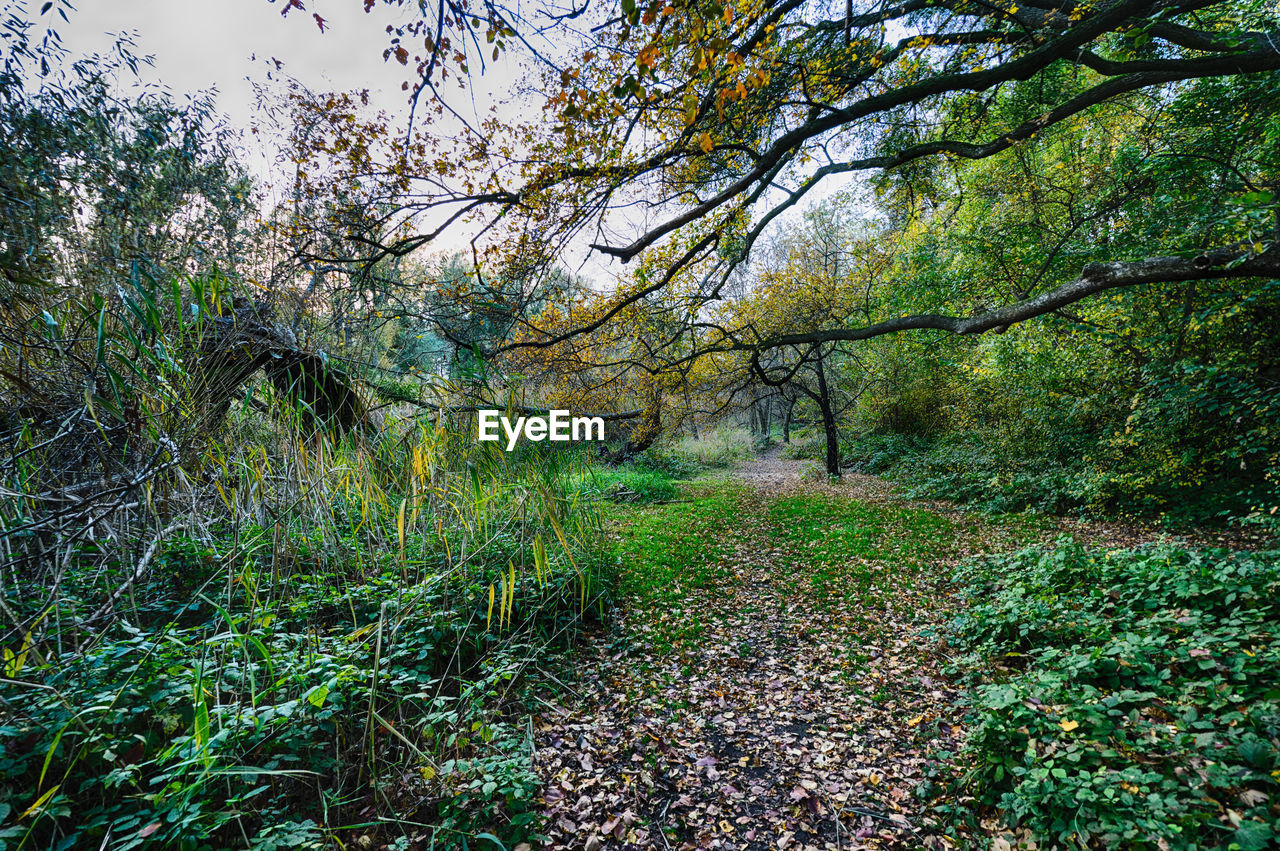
204	44
222	44
199	44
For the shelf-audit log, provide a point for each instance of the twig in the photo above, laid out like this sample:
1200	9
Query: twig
143	564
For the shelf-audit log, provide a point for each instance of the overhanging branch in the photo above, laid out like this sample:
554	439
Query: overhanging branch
1094	278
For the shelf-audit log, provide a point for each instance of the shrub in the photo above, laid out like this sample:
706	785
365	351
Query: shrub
974	470
806	447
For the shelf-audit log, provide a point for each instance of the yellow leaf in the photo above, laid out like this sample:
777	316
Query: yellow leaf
915	722
704	142
400	525
40	802
1069	725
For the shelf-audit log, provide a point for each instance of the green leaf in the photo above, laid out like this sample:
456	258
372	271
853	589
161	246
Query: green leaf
317	695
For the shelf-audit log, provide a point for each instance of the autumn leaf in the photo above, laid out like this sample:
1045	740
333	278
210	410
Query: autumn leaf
704	142
1068	724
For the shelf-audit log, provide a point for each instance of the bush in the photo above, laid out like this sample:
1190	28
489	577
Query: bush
974	470
1133	697
662	459
805	446
880	453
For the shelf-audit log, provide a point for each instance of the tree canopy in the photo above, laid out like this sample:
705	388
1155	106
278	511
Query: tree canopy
673	135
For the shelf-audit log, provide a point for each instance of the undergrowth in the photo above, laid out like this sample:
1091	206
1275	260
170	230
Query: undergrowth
335	651
1132	697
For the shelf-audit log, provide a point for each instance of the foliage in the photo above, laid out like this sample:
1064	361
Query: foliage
974	469
1132	697
355	657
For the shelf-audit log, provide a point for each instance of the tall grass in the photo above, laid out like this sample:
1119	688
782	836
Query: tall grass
242	629
713	449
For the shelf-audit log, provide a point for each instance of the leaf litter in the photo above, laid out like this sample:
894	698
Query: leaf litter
764	708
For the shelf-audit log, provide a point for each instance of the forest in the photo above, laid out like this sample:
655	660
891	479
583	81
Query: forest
936	347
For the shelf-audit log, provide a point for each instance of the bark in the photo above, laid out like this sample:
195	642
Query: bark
1094	278
828	422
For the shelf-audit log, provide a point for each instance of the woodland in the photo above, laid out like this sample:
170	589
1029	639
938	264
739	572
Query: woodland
937	344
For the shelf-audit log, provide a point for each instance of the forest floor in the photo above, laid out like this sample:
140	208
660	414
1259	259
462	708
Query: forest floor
769	680
772	675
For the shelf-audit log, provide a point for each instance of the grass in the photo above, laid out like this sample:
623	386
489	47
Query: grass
357	659
859	553
666	552
626	483
714	449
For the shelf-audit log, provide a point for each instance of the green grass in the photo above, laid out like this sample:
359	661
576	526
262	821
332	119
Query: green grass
861	553
666	552
627	483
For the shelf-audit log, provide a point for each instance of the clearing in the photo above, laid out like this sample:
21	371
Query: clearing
772	678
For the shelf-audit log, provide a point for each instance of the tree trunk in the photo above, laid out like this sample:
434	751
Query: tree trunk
693	419
828	423
786	422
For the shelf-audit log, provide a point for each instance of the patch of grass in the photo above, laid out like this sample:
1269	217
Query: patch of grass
711	450
664	553
855	555
354	669
863	557
1132	697
627	483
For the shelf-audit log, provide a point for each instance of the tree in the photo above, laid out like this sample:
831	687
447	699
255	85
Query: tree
827	272
715	119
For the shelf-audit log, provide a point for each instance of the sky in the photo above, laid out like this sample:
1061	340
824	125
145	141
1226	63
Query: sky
197	45
225	44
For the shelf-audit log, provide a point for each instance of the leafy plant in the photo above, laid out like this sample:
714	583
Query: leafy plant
1133	697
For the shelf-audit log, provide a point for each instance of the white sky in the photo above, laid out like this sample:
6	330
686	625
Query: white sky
222	44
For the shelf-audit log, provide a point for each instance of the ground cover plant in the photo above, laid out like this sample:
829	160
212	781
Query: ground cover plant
1131	696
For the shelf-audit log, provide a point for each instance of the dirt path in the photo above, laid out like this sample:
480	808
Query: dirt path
770	470
785	724
778	684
